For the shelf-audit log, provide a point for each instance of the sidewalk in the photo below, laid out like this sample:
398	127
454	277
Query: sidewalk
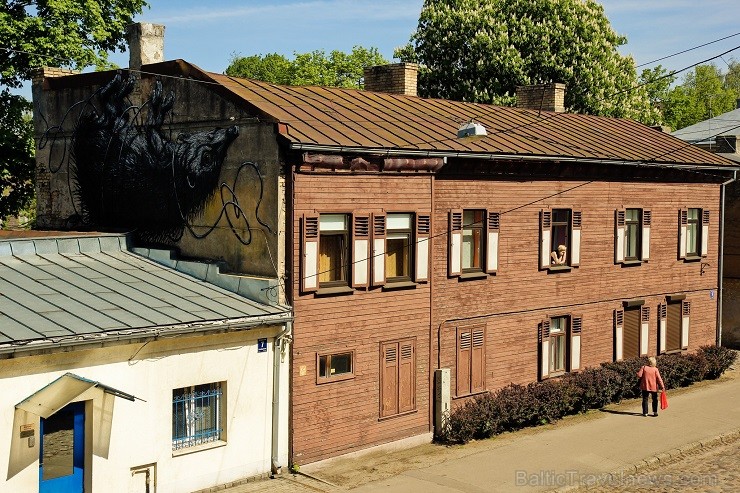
539	459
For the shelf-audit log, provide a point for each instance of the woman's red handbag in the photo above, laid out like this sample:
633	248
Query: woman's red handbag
663	400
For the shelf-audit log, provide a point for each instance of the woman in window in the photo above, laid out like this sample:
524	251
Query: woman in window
649	380
559	257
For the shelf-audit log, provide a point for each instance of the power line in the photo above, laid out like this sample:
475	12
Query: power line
687	50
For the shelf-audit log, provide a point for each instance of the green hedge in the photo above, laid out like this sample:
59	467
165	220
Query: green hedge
517	406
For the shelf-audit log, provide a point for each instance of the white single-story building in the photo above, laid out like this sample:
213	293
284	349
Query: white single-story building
118	373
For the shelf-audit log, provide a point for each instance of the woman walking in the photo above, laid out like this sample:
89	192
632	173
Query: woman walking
649	381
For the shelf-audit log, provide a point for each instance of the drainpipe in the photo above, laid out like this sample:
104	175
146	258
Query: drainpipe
280	402
721	257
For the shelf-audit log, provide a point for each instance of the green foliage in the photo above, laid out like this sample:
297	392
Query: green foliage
704	93
16	154
472	50
337	69
63	33
516	406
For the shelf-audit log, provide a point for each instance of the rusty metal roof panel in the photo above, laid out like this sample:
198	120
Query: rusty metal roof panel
350	118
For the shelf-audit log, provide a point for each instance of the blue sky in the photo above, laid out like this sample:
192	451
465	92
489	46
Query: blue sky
208	33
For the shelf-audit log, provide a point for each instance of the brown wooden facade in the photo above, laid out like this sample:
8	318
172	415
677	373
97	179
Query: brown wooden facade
486	326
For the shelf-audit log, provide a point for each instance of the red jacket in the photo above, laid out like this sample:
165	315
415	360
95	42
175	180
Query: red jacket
650	378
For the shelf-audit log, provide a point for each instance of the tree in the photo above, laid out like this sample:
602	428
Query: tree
16	154
338	69
705	92
33	34
473	50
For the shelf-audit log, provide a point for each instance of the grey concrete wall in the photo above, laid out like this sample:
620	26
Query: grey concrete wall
234	227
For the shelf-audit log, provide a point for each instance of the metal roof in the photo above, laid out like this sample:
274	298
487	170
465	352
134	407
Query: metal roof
705	131
353	120
65	290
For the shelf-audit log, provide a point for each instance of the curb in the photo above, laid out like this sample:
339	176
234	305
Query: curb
663	459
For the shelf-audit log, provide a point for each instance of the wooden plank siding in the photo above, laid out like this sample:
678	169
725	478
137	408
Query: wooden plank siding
512	303
333	418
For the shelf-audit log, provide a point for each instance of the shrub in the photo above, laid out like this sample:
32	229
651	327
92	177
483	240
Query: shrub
718	358
628	384
595	387
680	370
515	406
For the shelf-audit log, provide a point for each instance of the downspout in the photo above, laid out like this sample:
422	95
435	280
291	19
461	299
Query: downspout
431	306
279	405
721	256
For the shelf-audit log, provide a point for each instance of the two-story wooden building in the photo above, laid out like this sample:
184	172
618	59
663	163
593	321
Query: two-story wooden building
405	239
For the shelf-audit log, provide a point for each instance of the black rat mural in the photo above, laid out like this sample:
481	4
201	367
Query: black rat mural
125	173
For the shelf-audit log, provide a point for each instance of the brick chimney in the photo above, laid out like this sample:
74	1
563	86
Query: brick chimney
396	78
145	44
545	97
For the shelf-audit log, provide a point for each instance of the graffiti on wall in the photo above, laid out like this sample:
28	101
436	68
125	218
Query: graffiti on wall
126	171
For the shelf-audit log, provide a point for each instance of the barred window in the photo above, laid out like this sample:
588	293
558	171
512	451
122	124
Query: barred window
196	415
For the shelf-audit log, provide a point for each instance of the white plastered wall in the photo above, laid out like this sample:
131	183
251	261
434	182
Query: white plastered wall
141	431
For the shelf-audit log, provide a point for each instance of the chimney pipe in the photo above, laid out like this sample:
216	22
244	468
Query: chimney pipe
145	44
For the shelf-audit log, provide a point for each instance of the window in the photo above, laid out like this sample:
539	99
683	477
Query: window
397	377
400	248
471	360
631	329
339	366
398	255
677	326
632	234
560	345
560	238
333	250
693	233
473	243
197	415
632	243
558	328
472	240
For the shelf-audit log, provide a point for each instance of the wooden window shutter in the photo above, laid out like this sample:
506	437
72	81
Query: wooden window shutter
464	347
545	238
685	312
493	226
704	232
423	232
683	221
389	380
619	235
544	342
478	361
360	250
576	324
662	327
406	376
575	241
644	329
647	218
378	262
618	334
310	257
454	254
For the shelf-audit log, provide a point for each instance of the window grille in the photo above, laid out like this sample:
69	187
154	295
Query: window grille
196	415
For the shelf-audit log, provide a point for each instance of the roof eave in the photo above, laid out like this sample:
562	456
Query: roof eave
298	146
123	335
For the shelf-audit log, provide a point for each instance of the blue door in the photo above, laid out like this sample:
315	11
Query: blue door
62	450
